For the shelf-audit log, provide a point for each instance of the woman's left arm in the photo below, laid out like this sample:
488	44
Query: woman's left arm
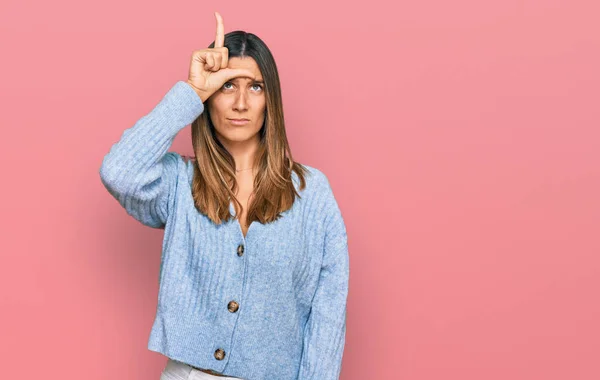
325	332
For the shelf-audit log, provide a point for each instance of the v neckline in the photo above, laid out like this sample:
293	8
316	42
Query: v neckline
236	220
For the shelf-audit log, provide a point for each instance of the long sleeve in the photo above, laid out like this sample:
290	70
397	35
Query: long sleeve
138	171
325	330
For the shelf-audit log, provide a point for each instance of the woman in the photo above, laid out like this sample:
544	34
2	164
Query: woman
257	296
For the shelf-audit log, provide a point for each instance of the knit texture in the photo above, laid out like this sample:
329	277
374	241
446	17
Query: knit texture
289	277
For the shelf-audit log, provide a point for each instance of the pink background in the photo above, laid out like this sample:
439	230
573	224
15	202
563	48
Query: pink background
461	139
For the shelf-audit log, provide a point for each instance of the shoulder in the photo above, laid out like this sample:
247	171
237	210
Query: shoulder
175	161
183	164
320	179
323	204
177	167
316	180
318	187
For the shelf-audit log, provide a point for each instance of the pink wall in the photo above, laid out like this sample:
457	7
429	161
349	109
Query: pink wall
461	139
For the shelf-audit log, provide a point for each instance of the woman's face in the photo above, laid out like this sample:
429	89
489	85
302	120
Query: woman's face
239	98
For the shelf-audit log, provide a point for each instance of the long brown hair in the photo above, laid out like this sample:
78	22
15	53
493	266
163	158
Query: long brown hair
214	183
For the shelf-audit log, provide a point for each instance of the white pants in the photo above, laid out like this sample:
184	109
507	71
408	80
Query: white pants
176	370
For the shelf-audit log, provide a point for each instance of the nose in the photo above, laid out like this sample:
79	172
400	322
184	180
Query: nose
240	103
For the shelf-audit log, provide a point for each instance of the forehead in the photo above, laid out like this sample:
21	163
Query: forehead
247	63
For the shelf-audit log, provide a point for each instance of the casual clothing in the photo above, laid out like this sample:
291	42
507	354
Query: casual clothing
270	305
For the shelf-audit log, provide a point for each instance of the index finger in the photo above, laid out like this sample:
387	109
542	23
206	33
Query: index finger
220	39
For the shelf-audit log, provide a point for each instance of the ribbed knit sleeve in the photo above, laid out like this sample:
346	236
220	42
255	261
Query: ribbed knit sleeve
138	171
325	330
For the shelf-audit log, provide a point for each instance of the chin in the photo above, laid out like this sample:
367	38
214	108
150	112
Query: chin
239	136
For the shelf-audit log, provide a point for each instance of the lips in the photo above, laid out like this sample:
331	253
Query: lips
238	121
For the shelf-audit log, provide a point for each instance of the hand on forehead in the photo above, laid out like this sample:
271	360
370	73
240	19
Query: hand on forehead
247	62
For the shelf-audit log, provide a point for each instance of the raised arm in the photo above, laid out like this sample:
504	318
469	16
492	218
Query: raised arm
138	171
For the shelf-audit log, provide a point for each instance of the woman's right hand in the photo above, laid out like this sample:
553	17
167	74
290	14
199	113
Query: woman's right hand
208	67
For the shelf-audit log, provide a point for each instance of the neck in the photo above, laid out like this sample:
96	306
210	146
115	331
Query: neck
243	152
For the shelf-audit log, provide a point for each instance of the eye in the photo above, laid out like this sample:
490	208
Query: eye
260	87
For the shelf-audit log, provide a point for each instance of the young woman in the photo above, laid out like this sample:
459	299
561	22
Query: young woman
254	267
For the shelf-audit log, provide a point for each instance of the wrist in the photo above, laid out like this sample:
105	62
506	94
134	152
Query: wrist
199	92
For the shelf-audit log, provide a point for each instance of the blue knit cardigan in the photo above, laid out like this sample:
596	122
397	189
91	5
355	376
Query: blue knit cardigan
270	305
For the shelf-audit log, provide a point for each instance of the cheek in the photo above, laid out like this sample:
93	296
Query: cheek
218	104
216	115
259	107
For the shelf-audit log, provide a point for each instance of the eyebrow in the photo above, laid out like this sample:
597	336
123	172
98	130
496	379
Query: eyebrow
248	79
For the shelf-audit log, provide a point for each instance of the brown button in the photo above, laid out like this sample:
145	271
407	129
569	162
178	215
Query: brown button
240	250
233	306
219	354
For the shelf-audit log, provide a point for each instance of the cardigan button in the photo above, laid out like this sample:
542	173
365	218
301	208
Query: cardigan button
219	354
233	306
240	250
